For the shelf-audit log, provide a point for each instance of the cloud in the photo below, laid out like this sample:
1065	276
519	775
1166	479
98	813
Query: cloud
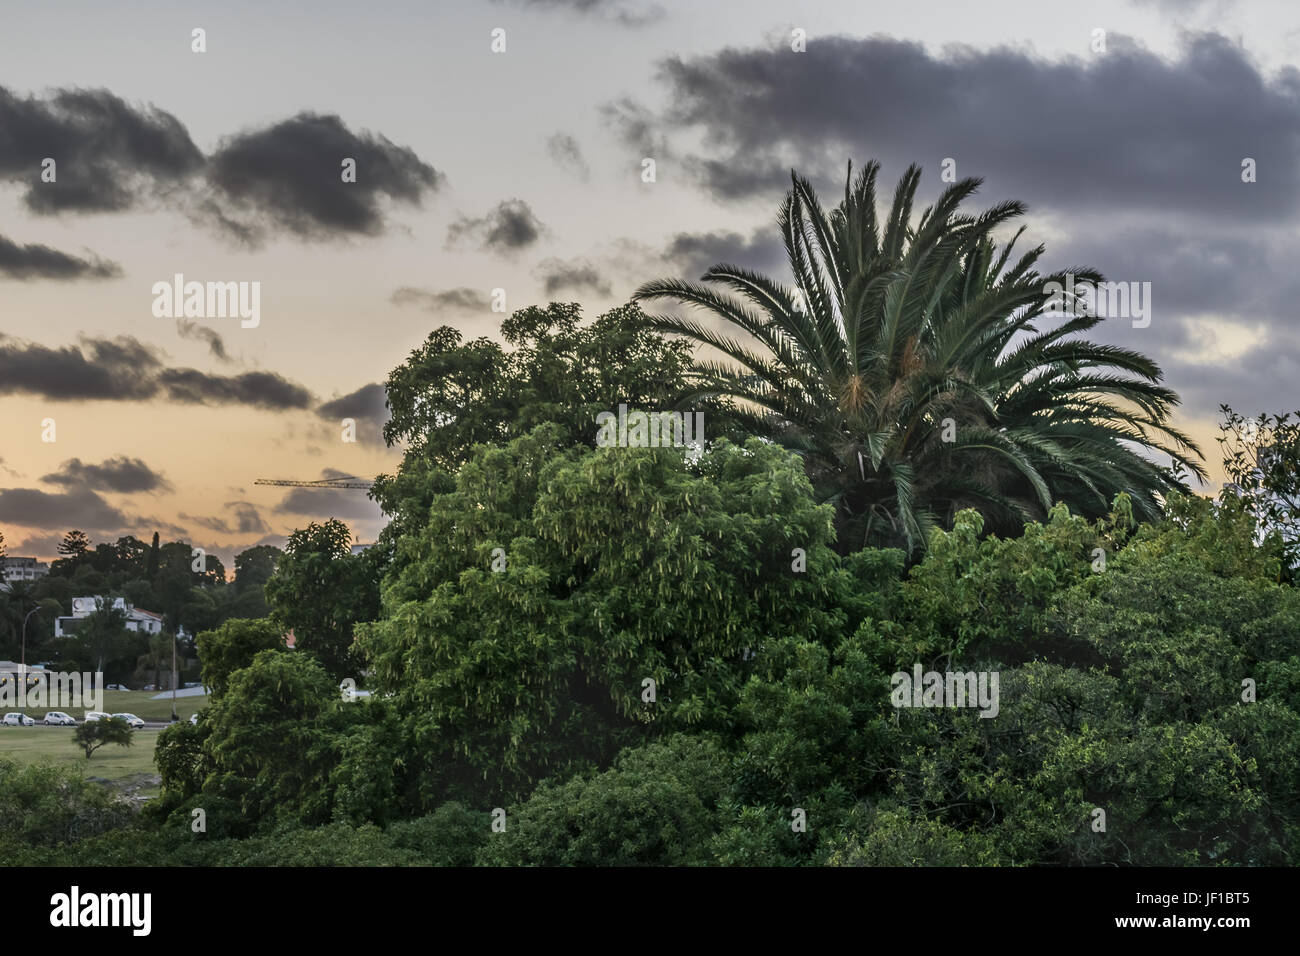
628	13
259	389
109	155
1125	131
567	154
460	300
693	253
576	274
288	178
41	262
121	474
508	227
79	508
41	546
285	178
244	519
368	406
1222	304
202	333
637	127
125	369
120	369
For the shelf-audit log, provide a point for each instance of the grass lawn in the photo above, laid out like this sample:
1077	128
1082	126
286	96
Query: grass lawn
136	702
119	765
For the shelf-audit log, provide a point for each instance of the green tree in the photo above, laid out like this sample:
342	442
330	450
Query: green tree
321	591
658	806
232	647
103	638
613	567
253	568
93	734
1261	457
451	395
919	370
269	738
182	760
74	544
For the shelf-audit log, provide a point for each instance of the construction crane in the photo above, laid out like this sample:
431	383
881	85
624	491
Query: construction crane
350	481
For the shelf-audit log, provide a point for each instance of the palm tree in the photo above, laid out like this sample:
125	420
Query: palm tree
919	371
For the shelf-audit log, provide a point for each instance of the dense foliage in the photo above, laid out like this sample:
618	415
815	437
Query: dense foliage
1148	713
583	655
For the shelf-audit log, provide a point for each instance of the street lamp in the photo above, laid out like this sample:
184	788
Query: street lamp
24	661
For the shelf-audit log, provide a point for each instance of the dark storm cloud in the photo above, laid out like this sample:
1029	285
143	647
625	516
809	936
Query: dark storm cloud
34	261
367	406
508	227
462	299
287	178
202	333
280	179
115	370
124	369
79	508
108	154
567	154
369	402
693	253
576	274
121	474
1194	273
258	389
244	519
1212	293
1125	130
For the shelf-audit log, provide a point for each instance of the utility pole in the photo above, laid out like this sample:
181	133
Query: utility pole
174	717
23	667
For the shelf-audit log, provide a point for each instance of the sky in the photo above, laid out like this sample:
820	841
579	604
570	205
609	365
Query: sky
1123	124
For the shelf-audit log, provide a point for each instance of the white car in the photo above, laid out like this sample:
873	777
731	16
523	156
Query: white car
94	715
59	718
135	722
15	719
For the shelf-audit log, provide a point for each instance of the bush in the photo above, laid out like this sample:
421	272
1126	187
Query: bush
658	805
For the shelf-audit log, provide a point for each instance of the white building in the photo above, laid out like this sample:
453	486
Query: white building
22	569
143	622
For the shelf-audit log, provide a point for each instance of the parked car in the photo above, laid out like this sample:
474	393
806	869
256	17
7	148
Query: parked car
16	719
192	683
149	687
57	718
94	715
117	687
135	722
